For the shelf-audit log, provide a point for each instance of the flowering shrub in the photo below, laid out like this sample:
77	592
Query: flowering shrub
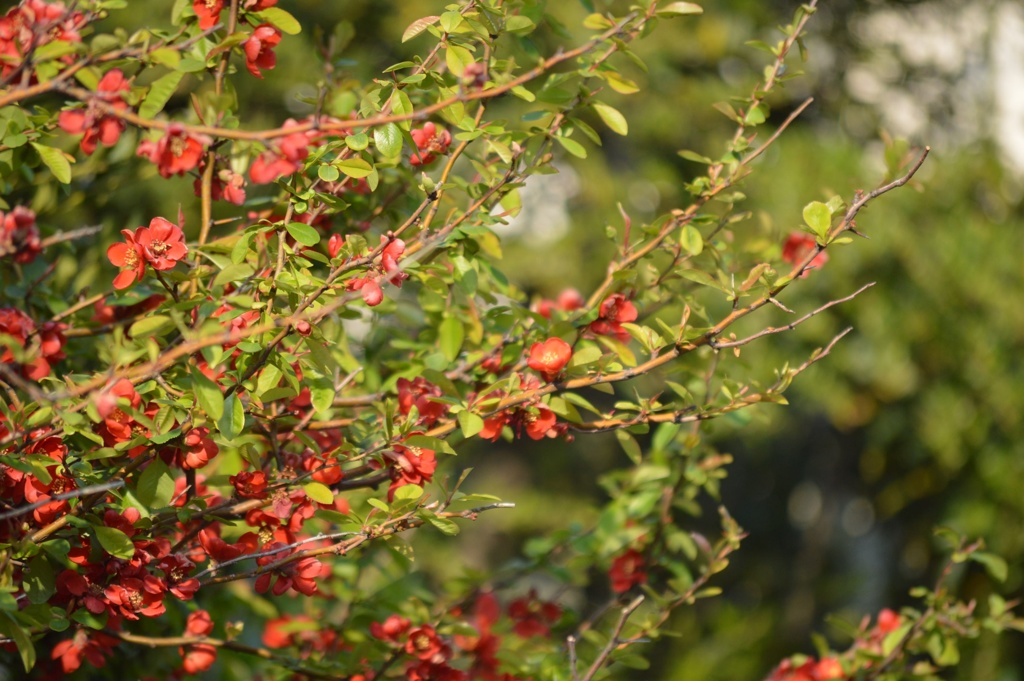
206	457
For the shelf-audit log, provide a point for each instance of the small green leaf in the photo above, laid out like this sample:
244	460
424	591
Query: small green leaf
818	218
161	90
517	23
355	167
233	421
995	565
675	9
11	627
156	486
303	233
280	18
318	492
691	240
151	327
612	117
328	173
694	156
630	446
417	27
55	160
446	526
451	335
114	541
408	493
619	83
208	393
572	146
470	423
357	142
755	116
457	58
241	248
38	580
388	140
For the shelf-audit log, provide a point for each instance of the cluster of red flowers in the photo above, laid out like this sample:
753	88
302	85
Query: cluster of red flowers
43	344
615	311
161	245
177	152
535	418
429	144
19	235
259	49
198	657
549	358
798	246
417	393
369	286
810	670
97	125
568	300
284	157
411	466
18	487
32	24
208	11
627	570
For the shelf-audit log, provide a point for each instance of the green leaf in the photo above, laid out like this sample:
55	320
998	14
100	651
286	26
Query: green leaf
151	327
417	27
208	393
572	146
675	9
160	91
328	173
427	442
819	218
355	167
280	18
55	160
470	423
694	156
114	541
27	651
388	140
630	446
303	233
357	142
446	526
241	248
995	565
457	58
408	493
233	421
691	240
450	21
517	23
619	83
755	116
451	334
38	580
321	392
318	492
156	486
612	118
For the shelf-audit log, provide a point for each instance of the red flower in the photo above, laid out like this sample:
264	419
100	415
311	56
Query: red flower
199	623
176	567
549	358
250	485
798	246
227	186
299	575
412	466
627	571
96	125
90	645
372	293
127	255
45	343
116	423
888	621
200	449
391	629
429	143
532	616
197	657
615	311
162	243
33	24
208	12
19	236
568	301
259	49
284	159
425	644
418	393
176	152
334	245
811	670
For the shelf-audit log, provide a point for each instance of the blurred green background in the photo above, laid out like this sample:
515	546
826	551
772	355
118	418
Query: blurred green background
914	421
